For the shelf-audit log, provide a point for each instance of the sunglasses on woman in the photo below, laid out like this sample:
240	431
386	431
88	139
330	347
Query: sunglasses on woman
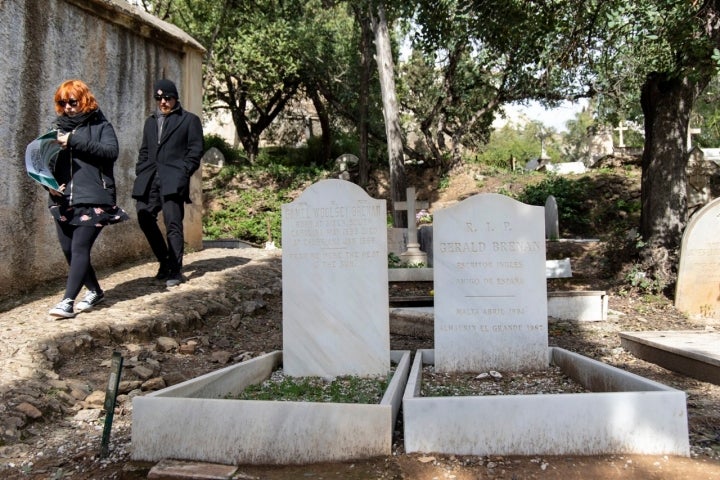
72	102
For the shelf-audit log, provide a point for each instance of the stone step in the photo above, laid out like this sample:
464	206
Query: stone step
693	353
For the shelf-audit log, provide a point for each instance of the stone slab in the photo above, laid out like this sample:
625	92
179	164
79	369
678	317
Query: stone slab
558	268
579	305
335	282
625	413
413	321
693	353
195	420
423	274
490	288
172	469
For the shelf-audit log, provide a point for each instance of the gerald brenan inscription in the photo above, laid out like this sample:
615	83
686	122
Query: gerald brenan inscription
490	287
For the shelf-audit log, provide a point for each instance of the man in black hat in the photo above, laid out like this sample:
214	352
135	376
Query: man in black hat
172	146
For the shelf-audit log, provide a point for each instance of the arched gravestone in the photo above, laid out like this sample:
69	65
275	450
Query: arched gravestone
552	224
335	282
490	286
698	286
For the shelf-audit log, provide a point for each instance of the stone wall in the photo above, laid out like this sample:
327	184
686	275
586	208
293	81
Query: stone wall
119	51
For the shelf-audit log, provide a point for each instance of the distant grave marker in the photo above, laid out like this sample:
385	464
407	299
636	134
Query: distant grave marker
413	255
552	224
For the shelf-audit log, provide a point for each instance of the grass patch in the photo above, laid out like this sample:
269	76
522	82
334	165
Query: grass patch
345	389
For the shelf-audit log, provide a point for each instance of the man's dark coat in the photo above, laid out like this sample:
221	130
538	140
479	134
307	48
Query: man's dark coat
175	156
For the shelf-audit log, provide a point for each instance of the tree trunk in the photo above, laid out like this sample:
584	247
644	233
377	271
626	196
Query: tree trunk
364	95
324	125
386	71
666	103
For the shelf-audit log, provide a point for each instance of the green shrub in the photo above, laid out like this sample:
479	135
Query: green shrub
574	212
248	218
233	156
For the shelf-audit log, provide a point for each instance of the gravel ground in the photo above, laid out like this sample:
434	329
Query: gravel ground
230	310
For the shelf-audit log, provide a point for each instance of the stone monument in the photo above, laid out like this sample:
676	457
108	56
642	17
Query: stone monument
335	282
335	323
490	288
413	255
698	285
491	324
552	224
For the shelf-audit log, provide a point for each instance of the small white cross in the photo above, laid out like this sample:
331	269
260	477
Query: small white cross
621	128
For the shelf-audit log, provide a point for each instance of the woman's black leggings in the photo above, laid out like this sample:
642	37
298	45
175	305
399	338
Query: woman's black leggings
76	243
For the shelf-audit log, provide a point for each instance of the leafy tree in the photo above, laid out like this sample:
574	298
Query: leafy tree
669	49
575	140
521	144
706	116
261	55
655	54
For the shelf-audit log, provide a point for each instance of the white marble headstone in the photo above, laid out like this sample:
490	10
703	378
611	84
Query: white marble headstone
698	285
552	224
490	286
335	283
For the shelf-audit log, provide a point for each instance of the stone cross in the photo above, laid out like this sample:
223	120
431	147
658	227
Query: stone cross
620	129
413	255
691	132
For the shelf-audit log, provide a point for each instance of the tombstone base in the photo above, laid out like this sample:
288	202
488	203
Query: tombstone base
579	305
195	420
413	255
629	414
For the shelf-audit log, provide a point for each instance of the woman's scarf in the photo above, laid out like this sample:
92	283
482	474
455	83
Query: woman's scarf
68	124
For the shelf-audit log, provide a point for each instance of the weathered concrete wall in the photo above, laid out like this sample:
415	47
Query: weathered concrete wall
119	51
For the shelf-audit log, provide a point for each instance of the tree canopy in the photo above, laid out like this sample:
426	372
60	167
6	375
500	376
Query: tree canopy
646	59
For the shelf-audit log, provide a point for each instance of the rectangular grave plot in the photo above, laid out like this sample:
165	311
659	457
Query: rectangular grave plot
194	421
629	414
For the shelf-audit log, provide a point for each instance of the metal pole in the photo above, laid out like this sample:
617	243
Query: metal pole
110	397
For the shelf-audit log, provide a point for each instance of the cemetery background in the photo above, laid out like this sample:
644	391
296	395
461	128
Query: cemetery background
231	310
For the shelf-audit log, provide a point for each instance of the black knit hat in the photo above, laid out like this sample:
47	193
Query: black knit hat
165	87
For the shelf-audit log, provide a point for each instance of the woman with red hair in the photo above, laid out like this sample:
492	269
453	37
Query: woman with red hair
86	200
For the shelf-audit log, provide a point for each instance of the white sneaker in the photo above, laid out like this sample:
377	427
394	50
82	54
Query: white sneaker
91	299
63	309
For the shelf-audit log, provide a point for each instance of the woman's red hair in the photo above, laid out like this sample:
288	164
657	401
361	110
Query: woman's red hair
78	90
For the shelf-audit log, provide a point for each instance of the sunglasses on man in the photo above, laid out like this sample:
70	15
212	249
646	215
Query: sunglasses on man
167	98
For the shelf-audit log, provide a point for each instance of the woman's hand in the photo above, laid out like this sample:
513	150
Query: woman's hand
58	192
62	140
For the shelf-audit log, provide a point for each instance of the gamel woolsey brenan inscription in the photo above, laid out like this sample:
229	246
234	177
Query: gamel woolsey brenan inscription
335	283
490	286
698	285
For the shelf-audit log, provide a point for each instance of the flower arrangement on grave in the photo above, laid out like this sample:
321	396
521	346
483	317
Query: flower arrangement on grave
423	217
